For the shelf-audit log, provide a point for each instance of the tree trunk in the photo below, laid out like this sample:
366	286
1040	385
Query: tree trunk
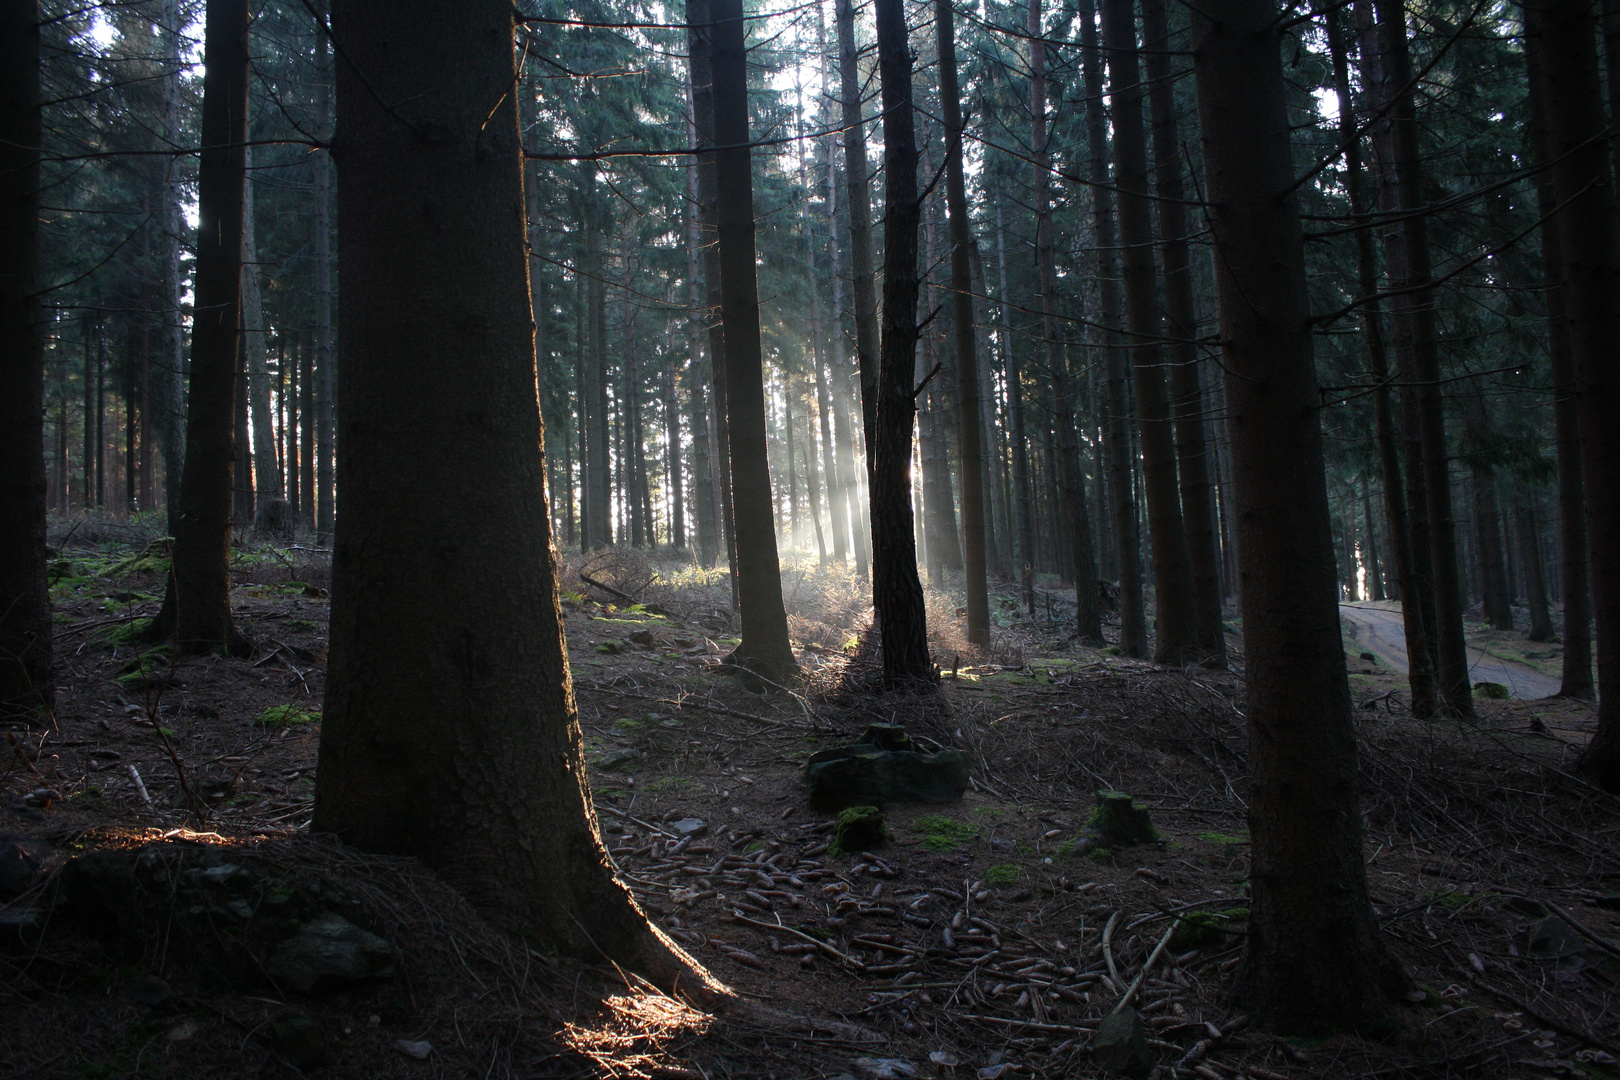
164	396
1419	658
25	603
196	612
896	591
1535	579
324	363
764	648
450	731
1176	628
860	227
1417	306
1573	566
1023	492
967	358
1181	313
1076	522
1375	572
708	539
1563	35
267	475
1488	539
1314	959
593	395
1116	433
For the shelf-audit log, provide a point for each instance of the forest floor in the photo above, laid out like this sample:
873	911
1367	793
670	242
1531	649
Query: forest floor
975	944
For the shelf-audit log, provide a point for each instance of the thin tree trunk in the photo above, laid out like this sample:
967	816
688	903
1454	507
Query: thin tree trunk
163	397
764	648
1176	627
1417	306
708	540
860	225
1420	663
896	591
267	473
1488	538
1313	957
196	612
1375	573
1563	35
1023	488
25	604
1535	579
1116	434
1181	315
306	427
324	361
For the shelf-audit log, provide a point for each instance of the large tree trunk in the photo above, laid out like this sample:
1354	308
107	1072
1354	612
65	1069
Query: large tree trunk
1573	566
698	380
450	731
25	603
1416	305
1176	628
896	591
196	612
1419	658
967	357
1116	428
1023	497
321	495
764	648
164	396
1314	959
1563	35
1535	579
1076	521
1181	314
593	395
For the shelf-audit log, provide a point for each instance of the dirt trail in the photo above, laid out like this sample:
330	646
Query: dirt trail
1380	630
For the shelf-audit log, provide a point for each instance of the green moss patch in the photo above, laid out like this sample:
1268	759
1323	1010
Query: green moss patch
285	716
942	833
1197	929
1004	875
858	828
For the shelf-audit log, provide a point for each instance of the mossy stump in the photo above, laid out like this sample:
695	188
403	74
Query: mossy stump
858	828
1120	1045
1116	823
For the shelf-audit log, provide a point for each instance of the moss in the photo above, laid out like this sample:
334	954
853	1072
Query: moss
1197	929
990	811
1004	875
284	716
1116	822
1113	650
147	669
942	833
131	632
626	726
858	828
1100	855
1493	691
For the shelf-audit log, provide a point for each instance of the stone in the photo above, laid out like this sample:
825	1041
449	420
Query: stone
858	828
1120	1045
331	953
1553	939
863	774
413	1048
22	862
886	1068
691	826
298	1039
616	759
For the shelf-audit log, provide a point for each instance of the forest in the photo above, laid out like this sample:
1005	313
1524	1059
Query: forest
757	539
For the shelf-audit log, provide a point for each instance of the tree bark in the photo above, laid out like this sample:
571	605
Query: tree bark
1419	658
1181	326
896	590
764	648
856	179
267	474
196	612
1116	428
1563	34
698	380
324	382
1417	306
450	731
1535	579
163	402
1575	586
1314	958
25	604
1175	625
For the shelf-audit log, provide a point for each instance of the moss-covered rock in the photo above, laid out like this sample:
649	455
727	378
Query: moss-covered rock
858	828
1197	929
1116	822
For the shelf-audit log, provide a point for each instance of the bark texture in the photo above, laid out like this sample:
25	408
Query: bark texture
25	604
450	731
1314	958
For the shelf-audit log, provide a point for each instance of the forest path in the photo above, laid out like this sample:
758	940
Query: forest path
1380	630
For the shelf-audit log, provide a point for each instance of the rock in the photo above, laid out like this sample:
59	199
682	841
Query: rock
1116	823
863	774
188	1028
1525	906
886	1068
418	1050
22	860
690	826
1553	939
644	637
331	953
616	759
1120	1045
298	1040
148	990
858	828
1370	657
